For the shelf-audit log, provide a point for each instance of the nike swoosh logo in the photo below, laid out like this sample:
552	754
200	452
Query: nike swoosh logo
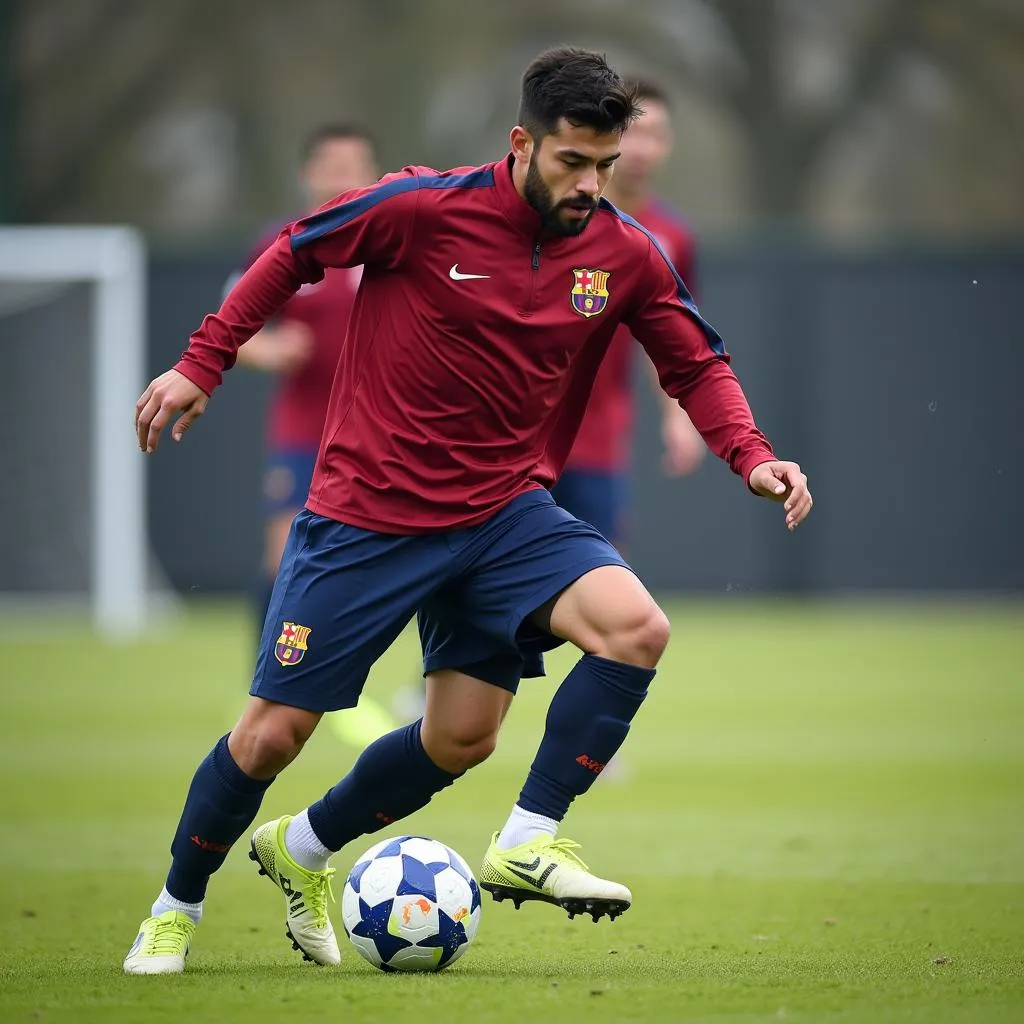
532	866
456	276
537	883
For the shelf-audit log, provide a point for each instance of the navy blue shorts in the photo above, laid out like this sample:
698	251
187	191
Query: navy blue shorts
598	498
286	479
344	594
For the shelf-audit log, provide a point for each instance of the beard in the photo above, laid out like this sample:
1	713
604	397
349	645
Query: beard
538	195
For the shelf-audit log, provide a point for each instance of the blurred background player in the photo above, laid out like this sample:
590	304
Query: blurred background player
301	346
594	486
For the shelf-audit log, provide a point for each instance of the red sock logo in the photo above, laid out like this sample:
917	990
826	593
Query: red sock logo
205	844
590	764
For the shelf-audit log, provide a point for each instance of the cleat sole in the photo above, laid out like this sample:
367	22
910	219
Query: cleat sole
573	906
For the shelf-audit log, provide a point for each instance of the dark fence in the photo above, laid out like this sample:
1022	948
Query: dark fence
893	377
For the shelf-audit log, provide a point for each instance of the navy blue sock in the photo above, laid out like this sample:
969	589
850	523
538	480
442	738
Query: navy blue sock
587	722
392	778
221	804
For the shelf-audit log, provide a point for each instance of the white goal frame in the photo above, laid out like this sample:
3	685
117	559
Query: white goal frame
113	260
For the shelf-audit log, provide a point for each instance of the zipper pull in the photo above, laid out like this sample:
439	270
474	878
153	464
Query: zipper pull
536	256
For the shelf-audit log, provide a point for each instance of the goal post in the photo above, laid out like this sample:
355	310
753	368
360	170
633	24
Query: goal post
112	260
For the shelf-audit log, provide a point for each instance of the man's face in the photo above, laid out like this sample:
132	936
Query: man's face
645	146
337	165
568	172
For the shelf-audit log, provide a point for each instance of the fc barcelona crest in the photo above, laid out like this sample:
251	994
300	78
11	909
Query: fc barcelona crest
291	644
590	291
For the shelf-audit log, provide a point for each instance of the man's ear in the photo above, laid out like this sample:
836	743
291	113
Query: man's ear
521	143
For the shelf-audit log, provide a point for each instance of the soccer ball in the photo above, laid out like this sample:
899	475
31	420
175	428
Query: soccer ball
411	904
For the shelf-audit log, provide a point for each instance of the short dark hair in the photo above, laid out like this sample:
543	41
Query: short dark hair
330	131
578	85
648	89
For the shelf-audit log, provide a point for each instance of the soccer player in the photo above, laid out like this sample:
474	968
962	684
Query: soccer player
302	344
488	299
594	486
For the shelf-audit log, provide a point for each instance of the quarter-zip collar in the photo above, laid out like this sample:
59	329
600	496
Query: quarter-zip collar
522	215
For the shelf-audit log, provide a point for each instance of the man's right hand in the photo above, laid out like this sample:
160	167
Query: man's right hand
171	393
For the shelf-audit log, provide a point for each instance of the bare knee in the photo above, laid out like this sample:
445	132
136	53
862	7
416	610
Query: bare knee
269	736
456	748
467	751
638	638
461	720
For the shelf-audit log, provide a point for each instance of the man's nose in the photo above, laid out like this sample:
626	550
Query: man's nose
588	184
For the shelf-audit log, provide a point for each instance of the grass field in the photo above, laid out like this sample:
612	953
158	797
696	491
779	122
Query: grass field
821	818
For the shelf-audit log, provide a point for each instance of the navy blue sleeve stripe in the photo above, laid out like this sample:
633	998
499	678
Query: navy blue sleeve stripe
714	339
481	177
320	224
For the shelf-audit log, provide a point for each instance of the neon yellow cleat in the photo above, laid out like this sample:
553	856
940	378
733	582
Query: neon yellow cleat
305	894
548	870
161	945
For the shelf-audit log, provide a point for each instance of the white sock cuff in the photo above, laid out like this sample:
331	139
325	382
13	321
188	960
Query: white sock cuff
523	825
541	821
165	901
304	846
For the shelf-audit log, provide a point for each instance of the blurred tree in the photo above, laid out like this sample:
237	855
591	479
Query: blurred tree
801	83
90	73
185	116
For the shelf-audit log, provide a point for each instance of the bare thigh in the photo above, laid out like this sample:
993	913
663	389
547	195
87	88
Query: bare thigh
608	612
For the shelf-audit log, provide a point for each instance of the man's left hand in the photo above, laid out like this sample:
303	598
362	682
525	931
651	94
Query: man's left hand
783	481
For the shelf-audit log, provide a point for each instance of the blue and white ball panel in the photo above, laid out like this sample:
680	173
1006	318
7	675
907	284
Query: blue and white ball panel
411	904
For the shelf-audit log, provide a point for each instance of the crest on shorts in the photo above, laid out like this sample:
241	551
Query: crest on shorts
291	644
590	291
